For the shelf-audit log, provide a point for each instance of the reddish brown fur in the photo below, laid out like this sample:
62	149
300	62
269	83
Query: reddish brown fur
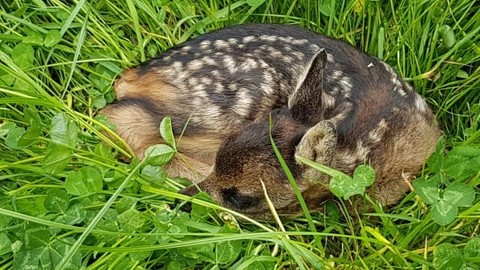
149	85
184	166
371	102
128	120
140	130
407	149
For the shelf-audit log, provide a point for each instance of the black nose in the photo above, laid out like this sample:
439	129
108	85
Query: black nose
186	207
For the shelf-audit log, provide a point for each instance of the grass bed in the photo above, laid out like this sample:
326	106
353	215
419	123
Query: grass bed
67	202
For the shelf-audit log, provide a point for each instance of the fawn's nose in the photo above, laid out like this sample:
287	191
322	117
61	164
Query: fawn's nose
190	191
186	207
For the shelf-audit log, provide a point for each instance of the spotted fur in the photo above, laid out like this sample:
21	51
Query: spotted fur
327	101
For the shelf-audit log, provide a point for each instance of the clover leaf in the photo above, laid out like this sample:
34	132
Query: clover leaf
345	186
445	202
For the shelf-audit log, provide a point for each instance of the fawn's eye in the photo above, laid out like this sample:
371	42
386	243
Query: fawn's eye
233	199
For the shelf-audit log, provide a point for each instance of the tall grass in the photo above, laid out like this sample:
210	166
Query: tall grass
58	60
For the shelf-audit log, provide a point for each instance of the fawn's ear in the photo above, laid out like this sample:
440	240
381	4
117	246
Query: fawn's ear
306	102
318	144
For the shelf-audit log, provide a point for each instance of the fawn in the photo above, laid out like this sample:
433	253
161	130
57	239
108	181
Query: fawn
328	102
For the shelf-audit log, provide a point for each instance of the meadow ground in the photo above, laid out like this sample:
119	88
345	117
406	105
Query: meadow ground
68	202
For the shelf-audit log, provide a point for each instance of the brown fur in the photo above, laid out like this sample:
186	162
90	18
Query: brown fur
128	120
195	158
372	101
203	148
149	85
344	109
184	166
140	130
407	149
400	143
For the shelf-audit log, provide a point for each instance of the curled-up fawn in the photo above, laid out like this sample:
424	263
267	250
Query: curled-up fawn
328	102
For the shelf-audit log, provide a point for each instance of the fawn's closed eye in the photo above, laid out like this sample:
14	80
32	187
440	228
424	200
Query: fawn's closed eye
239	201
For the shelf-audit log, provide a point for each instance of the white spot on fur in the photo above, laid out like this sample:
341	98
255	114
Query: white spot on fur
336	75
345	81
205	43
298	55
263	64
249	64
195	65
330	58
420	104
248	39
232	86
269	38
242	107
267	78
199	90
376	134
233	40
177	65
206	80
216	74
328	101
286	39
218	88
285	88
267	89
192	81
400	91
361	151
208	60
287	59
221	44
370	65
346	85
229	63
347	107
397	82
299	41
274	52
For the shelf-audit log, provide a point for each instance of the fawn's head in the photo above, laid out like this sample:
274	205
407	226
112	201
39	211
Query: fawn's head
246	162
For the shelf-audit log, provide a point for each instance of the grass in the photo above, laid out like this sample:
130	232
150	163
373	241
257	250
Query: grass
57	65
